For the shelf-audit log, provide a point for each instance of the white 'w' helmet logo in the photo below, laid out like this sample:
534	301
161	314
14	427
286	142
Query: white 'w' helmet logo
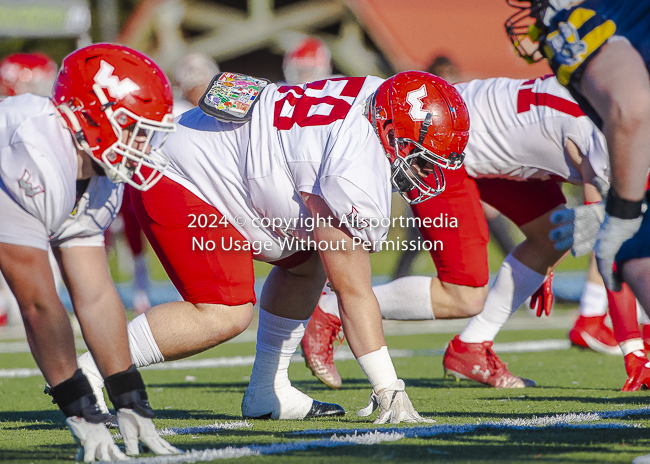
117	88
414	98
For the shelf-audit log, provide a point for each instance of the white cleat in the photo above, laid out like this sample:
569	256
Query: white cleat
642	459
287	403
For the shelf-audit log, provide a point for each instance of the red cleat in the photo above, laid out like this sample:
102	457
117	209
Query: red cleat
638	372
477	361
318	346
591	332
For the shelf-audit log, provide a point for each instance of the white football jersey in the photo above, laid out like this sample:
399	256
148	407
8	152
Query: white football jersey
311	138
94	211
38	173
519	128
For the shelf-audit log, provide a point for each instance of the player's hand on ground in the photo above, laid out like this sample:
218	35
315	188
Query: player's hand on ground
613	232
542	299
394	406
94	440
135	429
577	228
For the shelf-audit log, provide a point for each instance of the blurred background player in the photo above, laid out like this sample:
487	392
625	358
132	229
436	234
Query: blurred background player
27	73
309	60
192	74
24	73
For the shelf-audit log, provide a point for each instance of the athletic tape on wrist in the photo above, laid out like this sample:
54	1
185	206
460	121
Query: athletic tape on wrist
127	390
623	209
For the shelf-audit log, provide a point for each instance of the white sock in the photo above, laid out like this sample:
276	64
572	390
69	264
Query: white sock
379	368
277	340
641	314
514	283
143	347
593	301
405	299
632	345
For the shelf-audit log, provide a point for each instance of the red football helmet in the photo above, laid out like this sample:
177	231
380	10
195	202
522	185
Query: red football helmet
27	73
419	119
308	61
114	100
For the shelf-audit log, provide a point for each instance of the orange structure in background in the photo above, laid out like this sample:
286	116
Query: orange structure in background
470	32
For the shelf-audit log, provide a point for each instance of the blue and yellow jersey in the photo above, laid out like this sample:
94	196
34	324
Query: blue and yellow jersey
577	34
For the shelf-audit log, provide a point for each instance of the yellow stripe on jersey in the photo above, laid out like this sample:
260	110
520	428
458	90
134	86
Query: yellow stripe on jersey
591	41
581	16
594	40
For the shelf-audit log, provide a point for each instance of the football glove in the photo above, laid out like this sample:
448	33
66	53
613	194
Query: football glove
613	232
94	440
135	428
394	406
578	227
543	297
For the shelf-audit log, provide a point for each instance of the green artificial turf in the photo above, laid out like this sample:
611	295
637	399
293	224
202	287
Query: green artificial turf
32	429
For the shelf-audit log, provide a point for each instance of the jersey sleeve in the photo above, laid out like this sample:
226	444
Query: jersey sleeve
357	189
364	217
34	183
93	213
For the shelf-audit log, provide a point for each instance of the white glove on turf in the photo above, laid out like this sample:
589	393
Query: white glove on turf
135	428
394	406
94	440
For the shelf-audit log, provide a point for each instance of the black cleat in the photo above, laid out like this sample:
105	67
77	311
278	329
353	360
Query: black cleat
264	417
319	409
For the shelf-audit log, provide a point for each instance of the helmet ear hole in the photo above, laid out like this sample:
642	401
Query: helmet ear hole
89	120
390	135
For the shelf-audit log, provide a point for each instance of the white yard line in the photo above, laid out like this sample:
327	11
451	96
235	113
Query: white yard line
346	437
342	354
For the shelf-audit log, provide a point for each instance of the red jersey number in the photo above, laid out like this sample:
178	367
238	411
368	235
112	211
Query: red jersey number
309	107
526	99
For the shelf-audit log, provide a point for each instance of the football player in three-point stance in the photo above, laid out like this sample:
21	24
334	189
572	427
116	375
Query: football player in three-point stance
59	160
329	151
525	137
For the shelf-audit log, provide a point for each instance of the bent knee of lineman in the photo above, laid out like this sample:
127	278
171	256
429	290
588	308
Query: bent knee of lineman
220	319
467	301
